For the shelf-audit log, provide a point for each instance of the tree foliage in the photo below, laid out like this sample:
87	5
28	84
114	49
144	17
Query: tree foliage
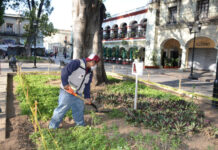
2	10
37	12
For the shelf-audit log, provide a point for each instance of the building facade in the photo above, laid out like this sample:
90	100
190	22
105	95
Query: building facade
159	34
124	35
178	21
60	42
12	37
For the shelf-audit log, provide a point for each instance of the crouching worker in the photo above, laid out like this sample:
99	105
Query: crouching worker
76	78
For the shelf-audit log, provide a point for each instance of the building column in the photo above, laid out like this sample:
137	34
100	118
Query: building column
129	31
183	57
139	31
152	50
119	32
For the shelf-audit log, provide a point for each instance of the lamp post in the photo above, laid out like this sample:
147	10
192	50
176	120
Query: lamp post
191	26
34	26
215	86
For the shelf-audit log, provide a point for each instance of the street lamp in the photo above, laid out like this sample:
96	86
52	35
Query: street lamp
215	86
191	26
34	26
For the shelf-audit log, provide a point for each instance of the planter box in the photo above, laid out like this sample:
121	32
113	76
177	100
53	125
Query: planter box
118	62
125	63
152	67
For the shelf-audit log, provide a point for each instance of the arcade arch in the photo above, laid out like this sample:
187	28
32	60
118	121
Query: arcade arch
171	53
123	28
204	54
134	28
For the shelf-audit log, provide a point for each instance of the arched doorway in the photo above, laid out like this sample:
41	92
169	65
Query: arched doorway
171	53
204	54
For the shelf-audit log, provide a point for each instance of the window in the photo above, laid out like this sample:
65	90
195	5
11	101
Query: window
9	27
202	9
172	14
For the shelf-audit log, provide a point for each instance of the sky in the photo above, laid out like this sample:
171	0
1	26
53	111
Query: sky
62	14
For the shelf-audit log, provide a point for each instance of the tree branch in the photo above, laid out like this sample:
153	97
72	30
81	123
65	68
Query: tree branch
40	9
33	3
28	2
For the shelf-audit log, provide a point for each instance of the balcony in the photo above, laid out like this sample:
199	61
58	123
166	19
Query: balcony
8	33
120	36
138	34
106	37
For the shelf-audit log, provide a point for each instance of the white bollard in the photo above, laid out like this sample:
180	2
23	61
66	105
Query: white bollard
137	70
136	93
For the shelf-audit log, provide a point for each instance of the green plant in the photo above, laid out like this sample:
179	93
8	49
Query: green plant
79	138
25	58
124	54
135	53
95	120
115	113
36	85
124	42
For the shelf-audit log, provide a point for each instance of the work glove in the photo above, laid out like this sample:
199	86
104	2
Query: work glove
69	90
88	101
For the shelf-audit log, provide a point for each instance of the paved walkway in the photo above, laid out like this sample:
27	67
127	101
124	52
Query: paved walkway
169	77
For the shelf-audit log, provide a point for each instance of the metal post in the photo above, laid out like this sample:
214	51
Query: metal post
193	54
215	86
34	24
136	92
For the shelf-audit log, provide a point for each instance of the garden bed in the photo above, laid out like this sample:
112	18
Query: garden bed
163	121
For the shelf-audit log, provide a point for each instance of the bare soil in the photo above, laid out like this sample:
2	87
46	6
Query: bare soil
20	127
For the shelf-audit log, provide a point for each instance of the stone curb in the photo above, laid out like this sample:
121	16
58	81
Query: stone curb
3	102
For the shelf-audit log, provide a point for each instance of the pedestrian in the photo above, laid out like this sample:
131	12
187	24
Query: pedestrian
76	78
65	55
4	55
56	52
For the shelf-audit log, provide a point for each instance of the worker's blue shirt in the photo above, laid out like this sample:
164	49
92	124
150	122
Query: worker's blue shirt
79	75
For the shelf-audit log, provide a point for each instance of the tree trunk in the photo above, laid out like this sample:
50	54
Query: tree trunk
28	46
87	20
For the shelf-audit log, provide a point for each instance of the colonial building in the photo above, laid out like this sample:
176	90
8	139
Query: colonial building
60	42
162	34
179	22
12	37
125	34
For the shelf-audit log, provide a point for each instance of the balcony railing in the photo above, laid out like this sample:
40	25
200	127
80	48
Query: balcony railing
8	33
112	36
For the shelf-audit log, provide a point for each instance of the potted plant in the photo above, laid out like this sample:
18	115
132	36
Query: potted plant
113	54
124	56
154	60
168	63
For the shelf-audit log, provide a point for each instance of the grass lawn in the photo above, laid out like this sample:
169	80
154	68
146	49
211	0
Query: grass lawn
162	120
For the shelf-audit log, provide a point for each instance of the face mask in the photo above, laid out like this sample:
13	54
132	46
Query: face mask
94	67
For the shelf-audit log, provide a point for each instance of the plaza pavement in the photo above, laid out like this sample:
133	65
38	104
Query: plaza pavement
169	77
